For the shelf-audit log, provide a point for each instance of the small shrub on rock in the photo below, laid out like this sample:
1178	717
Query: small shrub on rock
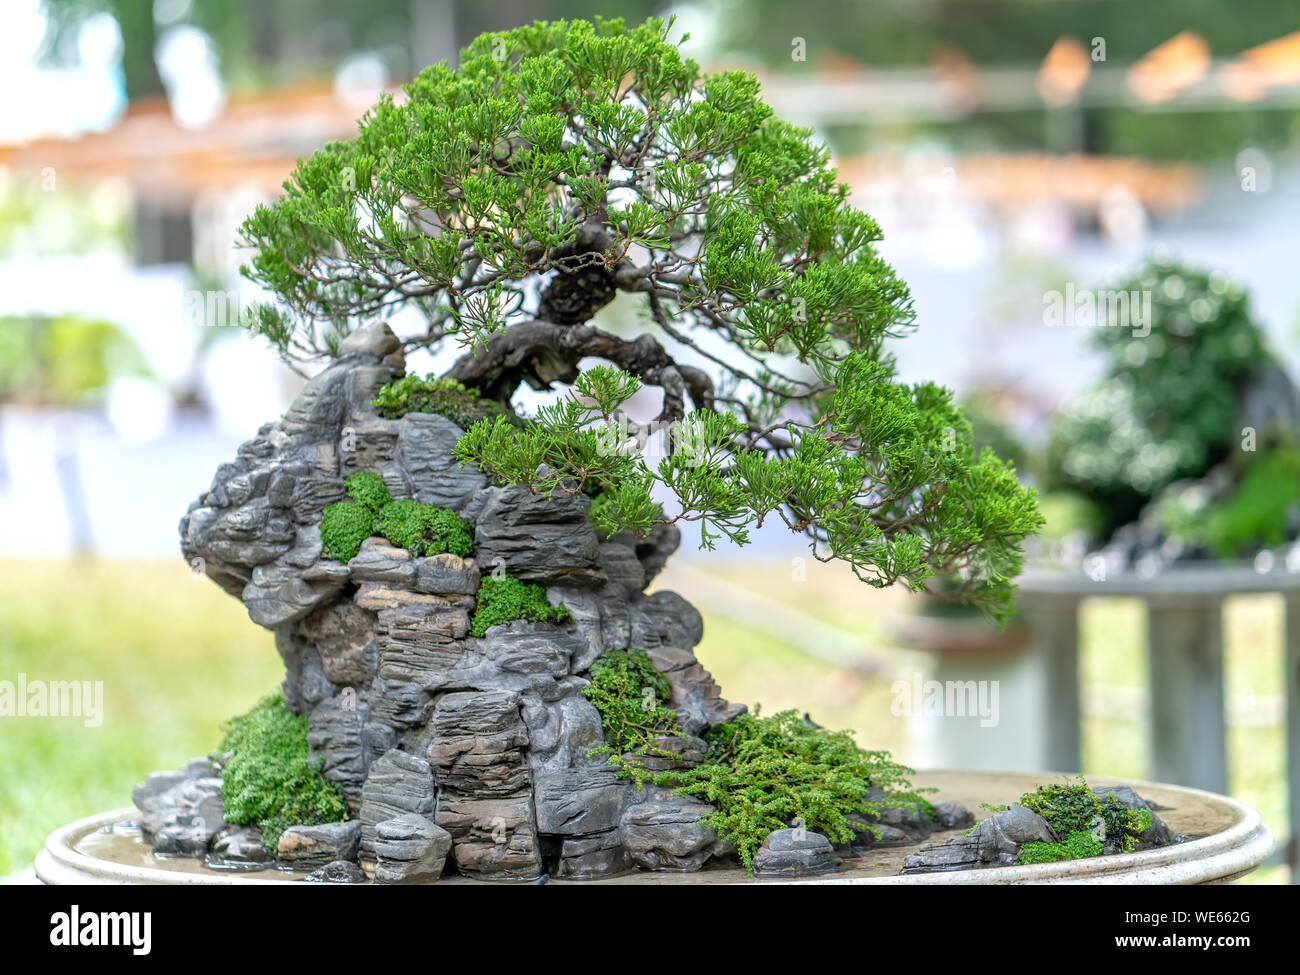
270	780
765	773
505	599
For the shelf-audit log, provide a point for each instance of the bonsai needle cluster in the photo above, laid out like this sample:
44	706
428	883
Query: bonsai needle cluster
765	774
503	599
421	529
269	779
760	774
563	164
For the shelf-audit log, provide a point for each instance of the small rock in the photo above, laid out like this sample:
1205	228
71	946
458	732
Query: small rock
952	815
337	872
379	561
239	847
1002	835
662	831
410	849
865	839
375	339
1157	834
794	853
962	853
180	812
309	847
447	575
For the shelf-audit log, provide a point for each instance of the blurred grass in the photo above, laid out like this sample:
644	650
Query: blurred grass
178	657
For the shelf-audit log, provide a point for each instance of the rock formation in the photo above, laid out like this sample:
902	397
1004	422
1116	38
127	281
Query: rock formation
447	747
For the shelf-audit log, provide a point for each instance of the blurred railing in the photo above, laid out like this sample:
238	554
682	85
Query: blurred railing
1186	723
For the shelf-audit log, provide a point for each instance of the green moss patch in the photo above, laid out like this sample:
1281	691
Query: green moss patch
425	529
270	780
446	397
1079	845
422	529
504	599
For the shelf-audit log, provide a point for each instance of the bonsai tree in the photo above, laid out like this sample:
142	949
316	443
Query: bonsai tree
1192	428
565	164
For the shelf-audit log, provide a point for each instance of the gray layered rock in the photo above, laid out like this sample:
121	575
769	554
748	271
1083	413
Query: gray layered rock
398	783
181	812
794	853
486	739
662	831
1156	834
310	847
239	847
951	815
996	842
410	849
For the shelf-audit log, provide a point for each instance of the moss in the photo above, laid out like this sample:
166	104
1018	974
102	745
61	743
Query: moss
1072	807
368	489
763	774
446	397
1255	515
270	780
1079	845
629	693
425	529
421	529
344	526
504	599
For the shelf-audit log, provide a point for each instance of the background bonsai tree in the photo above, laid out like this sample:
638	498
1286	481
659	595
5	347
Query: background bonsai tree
563	164
1190	436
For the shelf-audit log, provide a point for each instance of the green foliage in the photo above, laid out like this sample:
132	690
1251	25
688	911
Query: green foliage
1079	845
446	397
1163	411
63	359
765	773
270	780
425	529
368	489
629	693
1258	513
422	529
504	599
1072	807
567	152
344	526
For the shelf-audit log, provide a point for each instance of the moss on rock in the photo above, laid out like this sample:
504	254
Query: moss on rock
505	599
270	779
